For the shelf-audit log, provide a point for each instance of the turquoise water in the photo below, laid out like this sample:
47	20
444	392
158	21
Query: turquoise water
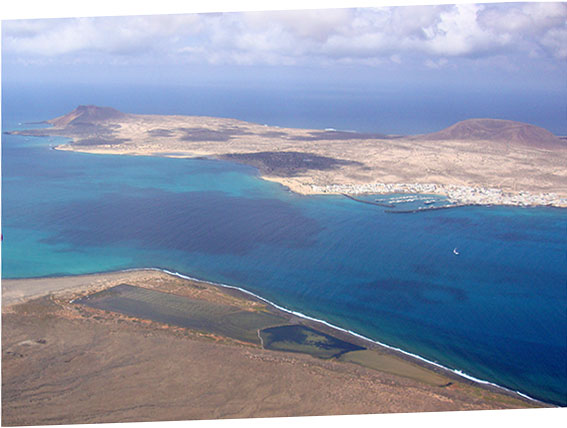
496	311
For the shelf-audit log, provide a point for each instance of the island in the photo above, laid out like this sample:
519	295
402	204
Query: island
476	161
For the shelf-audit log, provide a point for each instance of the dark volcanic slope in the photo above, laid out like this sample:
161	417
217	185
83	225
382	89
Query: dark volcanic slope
287	164
498	130
87	115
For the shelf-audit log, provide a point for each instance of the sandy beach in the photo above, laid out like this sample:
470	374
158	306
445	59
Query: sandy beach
65	363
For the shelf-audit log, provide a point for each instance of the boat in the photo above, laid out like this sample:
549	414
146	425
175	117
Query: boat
455	252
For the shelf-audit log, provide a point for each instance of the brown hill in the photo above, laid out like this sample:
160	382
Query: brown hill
87	115
497	130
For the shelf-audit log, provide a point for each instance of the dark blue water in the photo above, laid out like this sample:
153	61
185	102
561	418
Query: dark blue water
497	311
376	107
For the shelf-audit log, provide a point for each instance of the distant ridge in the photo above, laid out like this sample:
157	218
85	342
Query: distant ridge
87	114
498	130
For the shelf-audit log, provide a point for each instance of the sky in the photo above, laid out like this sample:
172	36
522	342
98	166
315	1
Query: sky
436	35
506	38
480	47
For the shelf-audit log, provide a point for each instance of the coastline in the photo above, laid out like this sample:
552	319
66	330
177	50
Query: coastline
68	363
457	194
413	357
82	283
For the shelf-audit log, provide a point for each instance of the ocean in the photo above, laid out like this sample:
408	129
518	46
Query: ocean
495	312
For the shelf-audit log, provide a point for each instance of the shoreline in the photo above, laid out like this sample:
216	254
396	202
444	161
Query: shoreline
460	195
74	362
405	355
456	194
412	356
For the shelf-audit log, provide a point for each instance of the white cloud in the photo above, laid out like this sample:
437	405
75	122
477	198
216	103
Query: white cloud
555	41
308	24
436	34
109	35
532	27
458	33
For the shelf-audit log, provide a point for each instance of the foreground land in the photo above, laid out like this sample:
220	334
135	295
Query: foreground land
66	361
478	161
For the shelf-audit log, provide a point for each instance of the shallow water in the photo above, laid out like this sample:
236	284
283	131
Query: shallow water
496	311
181	311
298	338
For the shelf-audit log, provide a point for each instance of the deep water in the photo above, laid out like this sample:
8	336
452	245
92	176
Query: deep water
497	311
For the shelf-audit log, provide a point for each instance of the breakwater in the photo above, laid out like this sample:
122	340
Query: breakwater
379	204
425	209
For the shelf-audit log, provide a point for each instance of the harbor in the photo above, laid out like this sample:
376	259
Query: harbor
456	195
